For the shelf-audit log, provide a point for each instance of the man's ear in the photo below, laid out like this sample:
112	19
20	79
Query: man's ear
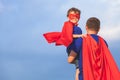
99	30
86	27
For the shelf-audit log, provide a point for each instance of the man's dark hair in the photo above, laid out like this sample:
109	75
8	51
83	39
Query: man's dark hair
93	23
73	9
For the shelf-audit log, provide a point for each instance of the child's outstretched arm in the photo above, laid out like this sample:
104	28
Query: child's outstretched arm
78	35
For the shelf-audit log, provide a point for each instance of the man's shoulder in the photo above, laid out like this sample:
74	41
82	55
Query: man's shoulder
103	40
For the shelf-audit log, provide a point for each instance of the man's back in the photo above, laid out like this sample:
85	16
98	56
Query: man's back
95	59
98	63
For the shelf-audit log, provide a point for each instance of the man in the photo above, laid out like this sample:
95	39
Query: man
95	59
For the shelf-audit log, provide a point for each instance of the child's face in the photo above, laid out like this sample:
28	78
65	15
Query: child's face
73	17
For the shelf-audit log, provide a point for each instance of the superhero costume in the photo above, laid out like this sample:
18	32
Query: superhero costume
98	63
62	38
95	59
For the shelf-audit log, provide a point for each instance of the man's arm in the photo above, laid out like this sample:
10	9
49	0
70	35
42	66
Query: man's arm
72	56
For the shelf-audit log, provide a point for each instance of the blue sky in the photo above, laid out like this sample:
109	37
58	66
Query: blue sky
24	53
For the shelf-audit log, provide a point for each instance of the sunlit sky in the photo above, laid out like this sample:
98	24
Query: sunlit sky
25	54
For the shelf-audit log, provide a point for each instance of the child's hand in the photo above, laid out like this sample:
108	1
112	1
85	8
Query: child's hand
79	35
83	35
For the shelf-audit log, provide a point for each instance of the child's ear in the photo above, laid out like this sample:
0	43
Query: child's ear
68	18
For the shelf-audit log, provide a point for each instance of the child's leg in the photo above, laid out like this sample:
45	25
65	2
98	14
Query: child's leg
77	74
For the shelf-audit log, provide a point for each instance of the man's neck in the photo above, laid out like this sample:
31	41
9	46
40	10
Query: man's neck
91	32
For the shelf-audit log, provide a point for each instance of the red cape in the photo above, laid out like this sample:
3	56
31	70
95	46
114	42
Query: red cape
98	63
61	38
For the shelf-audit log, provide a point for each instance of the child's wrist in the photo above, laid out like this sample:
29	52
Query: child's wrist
79	36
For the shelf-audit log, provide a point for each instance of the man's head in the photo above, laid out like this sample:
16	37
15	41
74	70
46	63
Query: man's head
93	24
73	15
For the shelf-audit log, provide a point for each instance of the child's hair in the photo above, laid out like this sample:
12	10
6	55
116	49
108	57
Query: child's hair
93	23
73	9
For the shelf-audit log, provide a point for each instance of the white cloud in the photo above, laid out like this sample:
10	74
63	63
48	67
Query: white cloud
112	12
110	32
111	21
112	2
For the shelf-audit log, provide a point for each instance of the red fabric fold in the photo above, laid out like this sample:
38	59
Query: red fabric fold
52	36
61	38
98	63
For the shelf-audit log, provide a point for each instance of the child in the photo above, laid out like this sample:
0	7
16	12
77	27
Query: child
70	31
